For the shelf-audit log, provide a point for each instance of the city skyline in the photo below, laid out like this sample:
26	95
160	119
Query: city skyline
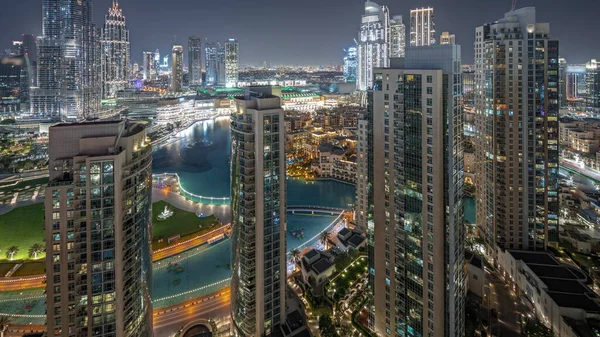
175	26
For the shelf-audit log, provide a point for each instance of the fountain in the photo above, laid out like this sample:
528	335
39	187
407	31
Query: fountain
166	213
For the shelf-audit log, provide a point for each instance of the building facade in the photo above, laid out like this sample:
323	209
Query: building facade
258	208
592	85
422	27
372	43
397	37
176	68
98	230
148	64
350	65
115	52
69	86
563	72
232	63
195	60
213	64
516	117
415	192
447	38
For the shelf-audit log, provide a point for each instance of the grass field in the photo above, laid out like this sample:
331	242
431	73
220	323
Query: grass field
30	268
184	223
22	227
11	187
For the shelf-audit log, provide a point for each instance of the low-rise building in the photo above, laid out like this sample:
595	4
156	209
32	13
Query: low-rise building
350	239
557	291
580	136
316	267
476	278
335	163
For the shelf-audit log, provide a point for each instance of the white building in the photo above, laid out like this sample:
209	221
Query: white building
176	68
422	27
231	63
372	43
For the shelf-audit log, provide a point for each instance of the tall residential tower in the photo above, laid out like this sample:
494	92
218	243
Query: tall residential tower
115	52
350	65
422	27
98	230
373	43
516	107
397	37
258	212
415	195
176	68
231	62
195	60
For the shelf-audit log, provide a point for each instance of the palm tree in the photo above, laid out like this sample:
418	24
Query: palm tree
11	251
295	256
3	325
35	250
324	239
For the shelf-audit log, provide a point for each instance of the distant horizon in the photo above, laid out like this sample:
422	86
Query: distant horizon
309	32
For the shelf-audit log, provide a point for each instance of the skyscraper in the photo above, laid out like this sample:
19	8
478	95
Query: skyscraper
563	72
592	85
115	52
156	64
258	212
195	60
447	38
97	211
211	55
148	58
516	107
350	64
372	43
397	37
30	52
176	68
422	27
231	62
69	68
415	185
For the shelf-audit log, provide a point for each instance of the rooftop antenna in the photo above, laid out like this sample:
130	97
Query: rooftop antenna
514	5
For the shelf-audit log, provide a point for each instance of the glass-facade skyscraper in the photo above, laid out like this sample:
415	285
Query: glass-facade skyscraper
214	63
195	60
350	65
373	43
414	203
397	37
258	208
98	230
115	52
422	27
516	118
69	62
232	62
176	68
592	85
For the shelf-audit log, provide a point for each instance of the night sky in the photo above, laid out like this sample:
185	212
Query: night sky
308	32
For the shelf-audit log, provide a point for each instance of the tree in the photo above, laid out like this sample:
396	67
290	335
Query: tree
326	327
11	251
3	325
324	239
535	328
295	256
35	250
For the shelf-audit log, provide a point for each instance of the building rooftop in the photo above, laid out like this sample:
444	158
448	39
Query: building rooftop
534	257
579	301
558	272
311	253
322	265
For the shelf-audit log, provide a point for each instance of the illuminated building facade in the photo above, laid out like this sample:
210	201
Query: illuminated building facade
195	60
350	64
176	68
397	37
213	64
148	59
447	38
592	85
422	27
231	62
69	62
562	82
98	230
414	210
115	52
372	43
258	213
516	118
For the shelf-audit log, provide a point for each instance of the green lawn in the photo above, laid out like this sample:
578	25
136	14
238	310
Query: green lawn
5	268
9	187
31	268
184	223
22	227
343	279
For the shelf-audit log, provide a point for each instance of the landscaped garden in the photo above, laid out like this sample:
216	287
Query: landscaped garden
348	271
183	223
20	230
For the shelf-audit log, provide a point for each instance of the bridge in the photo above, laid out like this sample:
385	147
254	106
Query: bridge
571	167
314	209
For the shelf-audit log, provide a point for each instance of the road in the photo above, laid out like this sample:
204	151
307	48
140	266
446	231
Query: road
508	306
22	283
190	244
168	320
571	165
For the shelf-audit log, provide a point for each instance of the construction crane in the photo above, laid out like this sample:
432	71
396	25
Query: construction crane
514	5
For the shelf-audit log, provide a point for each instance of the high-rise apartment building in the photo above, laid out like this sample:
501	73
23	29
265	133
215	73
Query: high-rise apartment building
422	27
69	85
414	211
115	52
350	65
397	37
258	212
98	230
231	62
148	64
195	60
592	85
447	38
30	51
213	62
176	68
373	43
563	72
516	116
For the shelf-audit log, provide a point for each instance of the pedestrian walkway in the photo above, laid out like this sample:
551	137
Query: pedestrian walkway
222	212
